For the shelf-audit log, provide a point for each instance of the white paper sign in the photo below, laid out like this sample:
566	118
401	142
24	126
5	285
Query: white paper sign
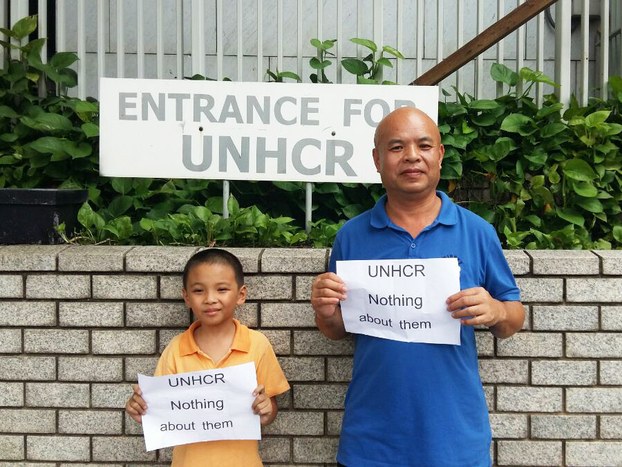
402	300
160	128
200	406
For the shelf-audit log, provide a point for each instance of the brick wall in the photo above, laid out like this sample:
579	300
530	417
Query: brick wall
78	323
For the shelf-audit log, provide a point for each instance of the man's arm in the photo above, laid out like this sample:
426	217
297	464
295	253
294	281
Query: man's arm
476	306
326	293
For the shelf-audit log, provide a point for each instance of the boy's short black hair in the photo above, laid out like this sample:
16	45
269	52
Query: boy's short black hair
215	256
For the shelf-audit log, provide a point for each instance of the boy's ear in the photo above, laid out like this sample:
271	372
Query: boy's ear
185	295
242	295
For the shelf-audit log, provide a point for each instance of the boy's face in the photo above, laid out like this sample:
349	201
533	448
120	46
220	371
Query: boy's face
212	293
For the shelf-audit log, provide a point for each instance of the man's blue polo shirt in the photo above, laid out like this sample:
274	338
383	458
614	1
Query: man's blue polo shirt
413	404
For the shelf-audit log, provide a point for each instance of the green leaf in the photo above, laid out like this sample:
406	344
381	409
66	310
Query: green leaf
536	77
503	74
590	204
617	232
354	66
552	129
25	27
7	112
317	65
91	130
578	169
518	123
122	185
483	104
63	59
365	43
48	145
585	189
120	205
571	215
596	118
392	51
48	122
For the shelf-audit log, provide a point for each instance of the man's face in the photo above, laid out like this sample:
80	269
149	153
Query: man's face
408	153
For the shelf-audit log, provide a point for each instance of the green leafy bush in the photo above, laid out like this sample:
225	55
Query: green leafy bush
47	139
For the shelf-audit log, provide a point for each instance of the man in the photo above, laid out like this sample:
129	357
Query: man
418	404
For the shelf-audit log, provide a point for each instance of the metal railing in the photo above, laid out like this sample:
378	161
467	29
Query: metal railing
241	39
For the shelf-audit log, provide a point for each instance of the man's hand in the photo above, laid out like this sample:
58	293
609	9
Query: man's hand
476	306
327	292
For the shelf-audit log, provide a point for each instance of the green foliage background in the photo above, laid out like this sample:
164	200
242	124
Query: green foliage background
545	176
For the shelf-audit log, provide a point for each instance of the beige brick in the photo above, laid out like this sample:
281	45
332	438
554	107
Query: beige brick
505	425
121	449
149	314
27	421
90	369
528	399
90	314
503	370
303	368
533	453
30	313
93	258
266	287
273	449
315	449
290	315
563	373
11	286
319	396
90	422
123	342
56	341
119	287
339	369
298	423
594	400
589	454
58	286
314	343
560	426
58	448
57	395
529	344
20	368
10	341
12	449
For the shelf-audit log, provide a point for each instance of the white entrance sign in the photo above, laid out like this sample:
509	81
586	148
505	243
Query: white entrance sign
401	300
200	406
158	128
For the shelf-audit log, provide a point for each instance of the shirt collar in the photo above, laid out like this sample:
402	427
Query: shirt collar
448	214
241	339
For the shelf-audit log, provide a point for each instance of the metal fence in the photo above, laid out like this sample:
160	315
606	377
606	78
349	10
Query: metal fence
576	42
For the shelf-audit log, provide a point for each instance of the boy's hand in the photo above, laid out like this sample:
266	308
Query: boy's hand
136	405
263	405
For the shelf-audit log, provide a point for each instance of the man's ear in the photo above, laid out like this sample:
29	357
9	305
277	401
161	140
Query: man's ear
441	150
376	157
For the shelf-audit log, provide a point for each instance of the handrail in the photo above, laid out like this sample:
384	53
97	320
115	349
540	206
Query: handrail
483	41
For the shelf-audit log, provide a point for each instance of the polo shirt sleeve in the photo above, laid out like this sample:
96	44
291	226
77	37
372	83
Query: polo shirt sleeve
269	372
499	280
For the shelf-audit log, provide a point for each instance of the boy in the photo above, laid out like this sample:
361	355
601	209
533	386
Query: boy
213	285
